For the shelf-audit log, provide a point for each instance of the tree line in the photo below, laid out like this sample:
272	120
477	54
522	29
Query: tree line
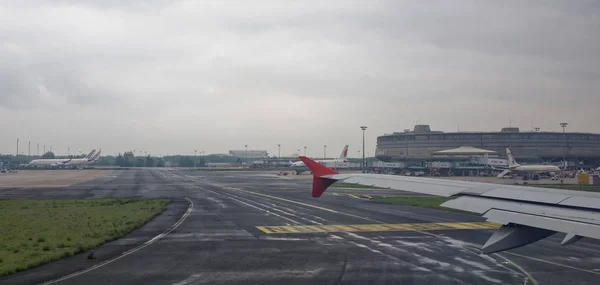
152	161
24	159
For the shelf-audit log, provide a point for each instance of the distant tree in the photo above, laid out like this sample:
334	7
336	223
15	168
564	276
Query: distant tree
186	161
119	160
107	160
5	157
200	162
48	155
140	162
161	163
127	161
149	161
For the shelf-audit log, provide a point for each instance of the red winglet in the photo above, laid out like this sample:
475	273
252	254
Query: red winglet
319	184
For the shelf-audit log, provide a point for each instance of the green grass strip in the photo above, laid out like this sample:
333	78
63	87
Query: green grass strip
35	232
432	202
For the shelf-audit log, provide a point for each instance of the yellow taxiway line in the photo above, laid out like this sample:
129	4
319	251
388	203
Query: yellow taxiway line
376	227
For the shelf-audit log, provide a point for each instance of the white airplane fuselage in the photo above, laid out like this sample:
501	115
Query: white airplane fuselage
49	162
78	161
513	166
535	168
340	162
57	162
299	166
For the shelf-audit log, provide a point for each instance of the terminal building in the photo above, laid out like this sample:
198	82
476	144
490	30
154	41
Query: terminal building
421	145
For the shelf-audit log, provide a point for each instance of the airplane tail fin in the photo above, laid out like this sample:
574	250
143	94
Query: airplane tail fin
91	154
97	156
320	183
511	159
344	153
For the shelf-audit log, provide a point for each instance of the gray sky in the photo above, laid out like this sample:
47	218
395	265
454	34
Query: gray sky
174	76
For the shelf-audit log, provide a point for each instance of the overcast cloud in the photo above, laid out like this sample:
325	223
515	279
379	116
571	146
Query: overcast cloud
174	76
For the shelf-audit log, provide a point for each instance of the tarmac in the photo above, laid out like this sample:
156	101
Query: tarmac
47	178
240	227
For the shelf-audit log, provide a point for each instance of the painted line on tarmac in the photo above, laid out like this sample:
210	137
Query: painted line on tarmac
301	229
354	196
416	230
518	267
279	198
553	263
360	196
133	250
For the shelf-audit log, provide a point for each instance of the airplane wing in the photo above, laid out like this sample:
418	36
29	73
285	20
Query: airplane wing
527	214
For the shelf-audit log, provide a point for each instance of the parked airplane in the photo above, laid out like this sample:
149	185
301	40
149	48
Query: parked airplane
526	214
342	161
56	162
87	160
513	166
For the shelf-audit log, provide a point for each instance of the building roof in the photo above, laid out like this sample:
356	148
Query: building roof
464	150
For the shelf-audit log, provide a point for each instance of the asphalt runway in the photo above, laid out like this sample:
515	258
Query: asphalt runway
257	228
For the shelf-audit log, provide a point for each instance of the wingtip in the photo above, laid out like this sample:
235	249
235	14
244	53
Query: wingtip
320	184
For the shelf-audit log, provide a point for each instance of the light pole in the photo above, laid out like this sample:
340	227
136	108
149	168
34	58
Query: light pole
564	125
325	152
44	149
364	166
304	150
17	156
195	153
38	150
246	146
69	151
278	151
29	149
536	139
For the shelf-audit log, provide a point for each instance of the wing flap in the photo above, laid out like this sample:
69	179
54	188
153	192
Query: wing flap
519	194
544	222
512	236
584	202
482	205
